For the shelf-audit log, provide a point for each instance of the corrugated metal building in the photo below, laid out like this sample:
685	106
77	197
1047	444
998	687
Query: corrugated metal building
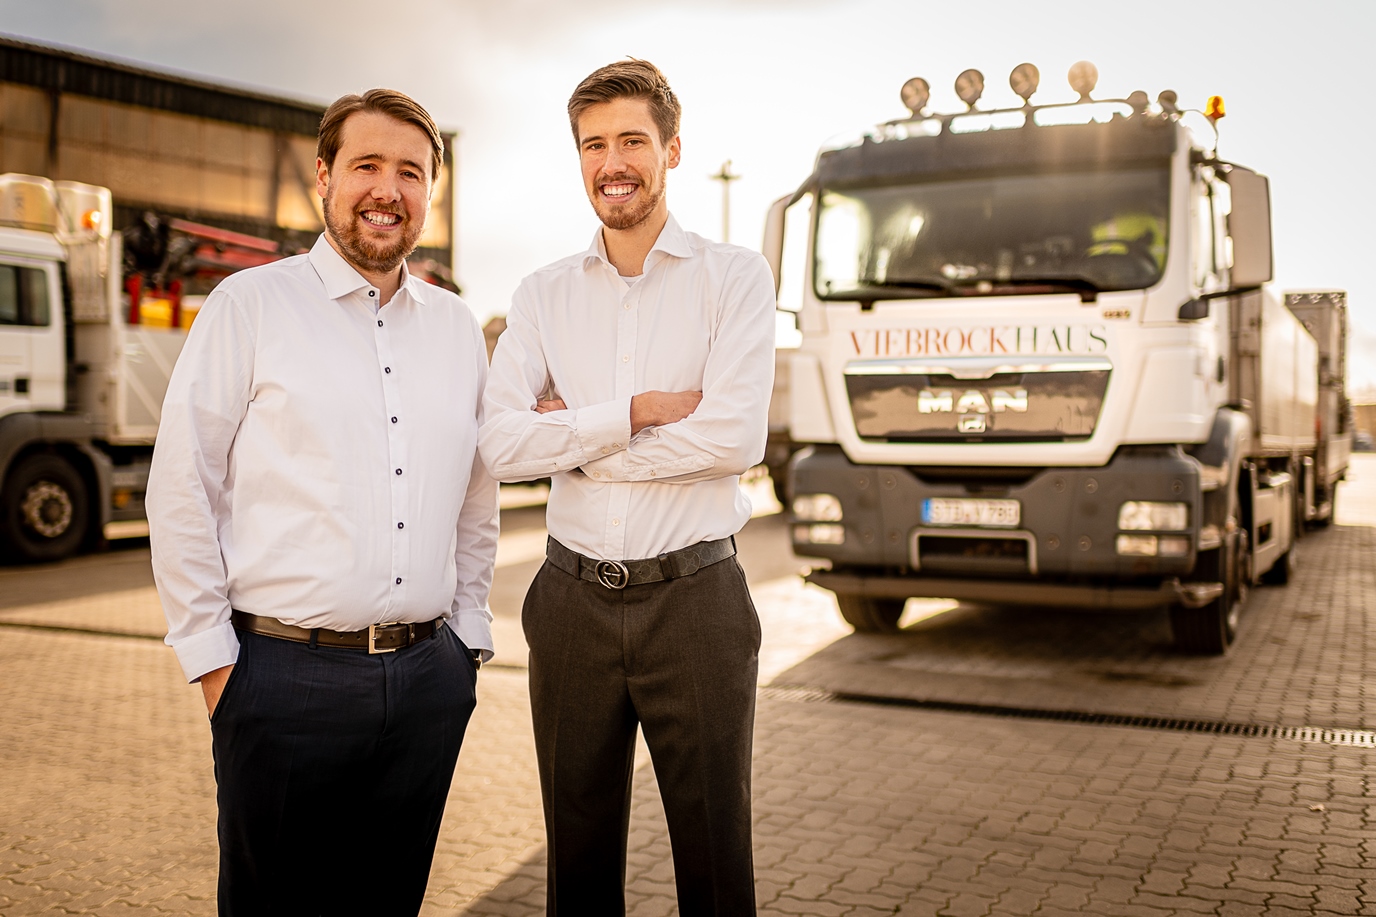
230	157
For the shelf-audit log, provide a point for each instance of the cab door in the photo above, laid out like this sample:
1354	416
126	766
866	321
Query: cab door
31	345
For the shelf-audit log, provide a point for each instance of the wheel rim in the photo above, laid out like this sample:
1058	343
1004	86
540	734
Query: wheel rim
47	509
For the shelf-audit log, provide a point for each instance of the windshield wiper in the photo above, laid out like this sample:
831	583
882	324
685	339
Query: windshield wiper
1089	290
867	292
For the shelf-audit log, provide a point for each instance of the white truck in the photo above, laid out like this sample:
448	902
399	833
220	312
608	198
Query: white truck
81	385
1041	364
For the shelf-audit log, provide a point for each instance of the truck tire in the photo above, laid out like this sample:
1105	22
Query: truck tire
1210	630
869	615
46	509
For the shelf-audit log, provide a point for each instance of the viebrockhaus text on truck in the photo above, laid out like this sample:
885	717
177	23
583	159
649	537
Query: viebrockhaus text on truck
1041	363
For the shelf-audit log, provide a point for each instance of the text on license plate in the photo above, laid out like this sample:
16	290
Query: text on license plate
953	511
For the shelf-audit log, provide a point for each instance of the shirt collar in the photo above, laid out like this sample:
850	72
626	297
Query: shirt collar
339	276
672	241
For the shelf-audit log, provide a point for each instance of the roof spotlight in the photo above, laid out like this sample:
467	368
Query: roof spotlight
915	94
1083	77
1024	80
970	86
1138	101
1169	102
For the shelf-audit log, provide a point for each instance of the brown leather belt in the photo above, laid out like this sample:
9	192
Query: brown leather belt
618	574
377	638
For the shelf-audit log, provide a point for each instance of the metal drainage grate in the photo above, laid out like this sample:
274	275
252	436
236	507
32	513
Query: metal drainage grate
1355	738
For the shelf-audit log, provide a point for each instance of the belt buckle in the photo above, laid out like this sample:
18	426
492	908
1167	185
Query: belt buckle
612	574
372	638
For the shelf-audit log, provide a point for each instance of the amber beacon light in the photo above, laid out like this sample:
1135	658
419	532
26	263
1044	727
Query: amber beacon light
1214	109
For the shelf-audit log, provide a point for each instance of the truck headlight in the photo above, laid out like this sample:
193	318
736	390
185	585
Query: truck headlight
1144	516
817	508
820	533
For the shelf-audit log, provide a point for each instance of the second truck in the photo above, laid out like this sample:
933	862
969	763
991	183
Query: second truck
1042	364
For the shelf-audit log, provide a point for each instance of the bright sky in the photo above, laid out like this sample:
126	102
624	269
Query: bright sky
765	82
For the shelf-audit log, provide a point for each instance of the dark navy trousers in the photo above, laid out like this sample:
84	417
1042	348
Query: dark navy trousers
332	768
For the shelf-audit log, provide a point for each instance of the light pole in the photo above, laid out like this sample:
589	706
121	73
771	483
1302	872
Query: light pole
726	177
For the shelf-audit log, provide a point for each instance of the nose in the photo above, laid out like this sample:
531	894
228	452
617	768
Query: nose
386	186
615	161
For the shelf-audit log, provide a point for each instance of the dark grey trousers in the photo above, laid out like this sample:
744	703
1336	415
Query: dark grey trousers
680	659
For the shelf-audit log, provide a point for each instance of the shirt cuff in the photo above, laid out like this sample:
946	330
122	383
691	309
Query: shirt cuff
474	628
604	428
207	651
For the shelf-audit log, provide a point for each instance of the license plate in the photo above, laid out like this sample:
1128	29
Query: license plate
950	511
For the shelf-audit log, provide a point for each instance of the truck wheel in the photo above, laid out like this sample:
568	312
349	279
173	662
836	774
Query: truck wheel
1210	630
46	509
869	615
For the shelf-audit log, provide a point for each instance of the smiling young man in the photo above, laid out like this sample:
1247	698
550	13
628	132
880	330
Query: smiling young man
324	535
637	375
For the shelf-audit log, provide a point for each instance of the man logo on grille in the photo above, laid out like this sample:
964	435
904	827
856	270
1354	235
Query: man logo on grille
971	423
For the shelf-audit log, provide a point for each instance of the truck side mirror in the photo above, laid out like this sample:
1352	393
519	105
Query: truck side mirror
773	246
1194	309
1249	225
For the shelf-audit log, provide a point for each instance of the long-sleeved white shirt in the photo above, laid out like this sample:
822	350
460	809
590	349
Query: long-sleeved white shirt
317	461
701	318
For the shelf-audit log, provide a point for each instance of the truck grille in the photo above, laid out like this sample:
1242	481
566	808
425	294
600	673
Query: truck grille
903	401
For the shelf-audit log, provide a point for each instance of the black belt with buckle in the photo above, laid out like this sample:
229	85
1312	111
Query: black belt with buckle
618	574
376	638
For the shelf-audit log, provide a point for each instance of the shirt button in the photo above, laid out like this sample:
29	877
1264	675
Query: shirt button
373	293
616	522
379	323
398	471
401	525
625	359
398	581
605	450
394	420
628	305
386	369
597	474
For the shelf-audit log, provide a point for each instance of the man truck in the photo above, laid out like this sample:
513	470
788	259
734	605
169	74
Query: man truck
1042	364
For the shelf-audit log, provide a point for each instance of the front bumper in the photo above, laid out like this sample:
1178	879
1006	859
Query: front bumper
1067	534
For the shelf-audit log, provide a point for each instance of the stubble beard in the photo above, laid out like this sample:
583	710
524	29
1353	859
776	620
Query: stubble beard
619	217
365	253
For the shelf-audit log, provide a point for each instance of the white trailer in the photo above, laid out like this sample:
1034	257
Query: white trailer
1042	364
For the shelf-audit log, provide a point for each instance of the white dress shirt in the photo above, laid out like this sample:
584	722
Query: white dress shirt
701	318
317	461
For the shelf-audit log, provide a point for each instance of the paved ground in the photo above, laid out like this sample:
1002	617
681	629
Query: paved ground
106	786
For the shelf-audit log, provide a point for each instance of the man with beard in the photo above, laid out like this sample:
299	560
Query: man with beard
637	375
324	536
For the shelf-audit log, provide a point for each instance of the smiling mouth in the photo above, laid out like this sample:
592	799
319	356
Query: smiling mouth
619	190
380	219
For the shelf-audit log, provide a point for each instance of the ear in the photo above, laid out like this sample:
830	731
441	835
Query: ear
322	177
675	152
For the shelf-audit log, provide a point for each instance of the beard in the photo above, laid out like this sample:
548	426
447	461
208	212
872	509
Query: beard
367	254
625	216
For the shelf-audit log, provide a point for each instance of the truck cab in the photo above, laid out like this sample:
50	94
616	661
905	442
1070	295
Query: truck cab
1041	364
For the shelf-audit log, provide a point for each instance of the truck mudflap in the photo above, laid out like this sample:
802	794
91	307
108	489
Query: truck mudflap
1095	597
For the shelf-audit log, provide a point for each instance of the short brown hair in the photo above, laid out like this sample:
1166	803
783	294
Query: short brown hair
381	101
628	79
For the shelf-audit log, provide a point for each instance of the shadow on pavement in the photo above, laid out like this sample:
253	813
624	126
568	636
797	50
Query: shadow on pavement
1036	658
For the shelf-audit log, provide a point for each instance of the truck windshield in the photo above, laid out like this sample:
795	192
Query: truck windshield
1083	232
